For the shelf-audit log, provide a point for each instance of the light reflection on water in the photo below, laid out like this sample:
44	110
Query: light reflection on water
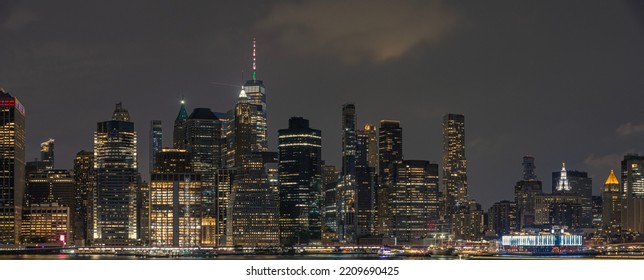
221	257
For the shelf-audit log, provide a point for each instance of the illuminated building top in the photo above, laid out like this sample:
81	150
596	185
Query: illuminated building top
563	184
612	180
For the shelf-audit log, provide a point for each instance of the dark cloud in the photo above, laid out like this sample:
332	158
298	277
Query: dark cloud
629	128
553	79
364	29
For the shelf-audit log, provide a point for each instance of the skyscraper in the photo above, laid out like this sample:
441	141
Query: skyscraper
413	200
253	216
632	193
330	178
367	141
203	143
175	201
156	141
454	162
390	154
242	128
347	200
12	166
300	153
612	205
576	183
525	192
115	195
53	187
256	93
47	153
179	133
84	180
502	217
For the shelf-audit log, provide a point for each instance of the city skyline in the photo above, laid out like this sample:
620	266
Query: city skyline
574	91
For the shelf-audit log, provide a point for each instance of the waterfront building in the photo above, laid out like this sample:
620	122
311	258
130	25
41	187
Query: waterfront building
115	194
502	217
203	144
413	201
175	201
330	179
84	179
45	223
253	215
632	193
12	167
53	186
390	147
468	221
300	153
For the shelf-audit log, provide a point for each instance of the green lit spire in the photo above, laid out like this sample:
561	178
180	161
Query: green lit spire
254	61
183	114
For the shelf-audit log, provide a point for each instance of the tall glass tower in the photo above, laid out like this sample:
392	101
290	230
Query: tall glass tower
256	93
156	141
454	162
347	200
300	153
115	164
390	155
12	166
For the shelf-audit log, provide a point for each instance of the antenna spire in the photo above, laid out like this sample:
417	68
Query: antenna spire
254	60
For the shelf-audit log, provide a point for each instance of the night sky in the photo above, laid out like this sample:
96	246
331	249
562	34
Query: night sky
559	80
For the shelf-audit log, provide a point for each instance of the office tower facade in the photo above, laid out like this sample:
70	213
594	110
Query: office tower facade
156	141
175	201
45	223
143	212
53	187
346	191
413	201
203	143
12	167
242	135
612	205
365	181
84	179
330	179
256	93
468	221
454	187
502	218
390	153
632	193
371	133
576	183
225	179
253	216
558	210
47	153
525	192
179	132
115	194
300	153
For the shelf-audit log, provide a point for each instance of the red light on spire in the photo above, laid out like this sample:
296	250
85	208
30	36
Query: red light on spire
254	60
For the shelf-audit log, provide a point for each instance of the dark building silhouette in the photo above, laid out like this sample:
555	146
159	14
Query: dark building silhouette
300	154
